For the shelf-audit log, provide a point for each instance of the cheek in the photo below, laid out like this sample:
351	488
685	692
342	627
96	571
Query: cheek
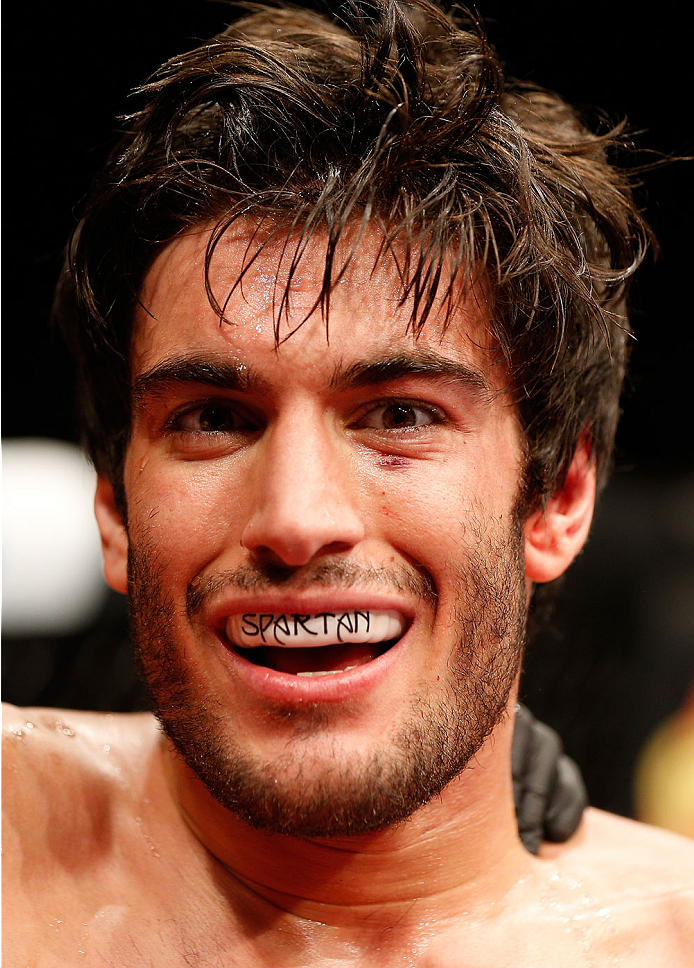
433	510
420	508
187	513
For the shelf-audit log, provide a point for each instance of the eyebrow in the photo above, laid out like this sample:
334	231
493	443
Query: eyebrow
231	374
226	374
420	363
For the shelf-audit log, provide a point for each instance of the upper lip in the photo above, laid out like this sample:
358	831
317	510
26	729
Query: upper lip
305	603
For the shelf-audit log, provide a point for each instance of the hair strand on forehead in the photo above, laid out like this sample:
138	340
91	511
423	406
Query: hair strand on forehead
388	116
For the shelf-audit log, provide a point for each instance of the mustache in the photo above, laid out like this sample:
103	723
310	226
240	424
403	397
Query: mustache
333	573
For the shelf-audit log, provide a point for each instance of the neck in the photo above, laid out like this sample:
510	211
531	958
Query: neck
458	854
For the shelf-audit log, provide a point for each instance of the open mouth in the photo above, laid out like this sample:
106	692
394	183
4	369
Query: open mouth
318	644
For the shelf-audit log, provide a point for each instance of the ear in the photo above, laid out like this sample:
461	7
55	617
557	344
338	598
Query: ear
114	536
556	533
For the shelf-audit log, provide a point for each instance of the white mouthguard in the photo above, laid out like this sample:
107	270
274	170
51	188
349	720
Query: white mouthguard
296	629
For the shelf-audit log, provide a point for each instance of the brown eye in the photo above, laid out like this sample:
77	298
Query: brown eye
399	415
214	418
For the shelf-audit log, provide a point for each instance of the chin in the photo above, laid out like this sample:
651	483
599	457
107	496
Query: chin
323	789
312	782
318	783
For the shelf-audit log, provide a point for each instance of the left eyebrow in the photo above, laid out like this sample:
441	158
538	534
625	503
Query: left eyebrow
423	363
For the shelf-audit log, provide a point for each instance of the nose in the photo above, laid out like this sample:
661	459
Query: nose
301	507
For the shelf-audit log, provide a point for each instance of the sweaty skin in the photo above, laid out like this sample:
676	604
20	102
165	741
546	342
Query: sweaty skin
304	480
101	868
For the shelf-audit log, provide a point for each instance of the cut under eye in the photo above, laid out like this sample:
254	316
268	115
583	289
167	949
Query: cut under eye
398	415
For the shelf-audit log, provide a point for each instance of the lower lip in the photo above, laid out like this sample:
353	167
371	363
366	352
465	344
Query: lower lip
334	687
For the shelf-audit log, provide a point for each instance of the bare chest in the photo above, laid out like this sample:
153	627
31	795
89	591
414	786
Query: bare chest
108	923
147	903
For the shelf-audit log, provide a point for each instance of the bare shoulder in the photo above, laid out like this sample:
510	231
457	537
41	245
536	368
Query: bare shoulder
60	764
34	736
82	809
606	839
640	880
21	721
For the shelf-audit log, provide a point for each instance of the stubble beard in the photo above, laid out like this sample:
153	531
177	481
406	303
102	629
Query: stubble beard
433	743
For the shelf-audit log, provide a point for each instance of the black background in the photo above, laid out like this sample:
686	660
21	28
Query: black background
68	68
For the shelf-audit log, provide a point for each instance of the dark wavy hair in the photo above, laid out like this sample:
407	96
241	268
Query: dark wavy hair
393	114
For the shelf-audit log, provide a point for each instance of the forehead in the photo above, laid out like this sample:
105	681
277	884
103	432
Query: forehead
273	310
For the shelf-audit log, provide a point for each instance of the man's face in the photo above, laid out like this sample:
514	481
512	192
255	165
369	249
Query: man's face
326	567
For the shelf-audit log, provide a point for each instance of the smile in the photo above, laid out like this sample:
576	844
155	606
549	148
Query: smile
314	644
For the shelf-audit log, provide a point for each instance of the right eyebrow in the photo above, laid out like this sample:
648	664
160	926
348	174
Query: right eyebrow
226	374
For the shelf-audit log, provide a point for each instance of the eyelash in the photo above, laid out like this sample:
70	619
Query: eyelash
238	413
435	414
174	424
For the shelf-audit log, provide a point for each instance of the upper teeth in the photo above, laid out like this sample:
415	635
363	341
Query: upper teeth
320	628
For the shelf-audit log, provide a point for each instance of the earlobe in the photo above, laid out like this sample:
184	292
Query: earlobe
555	534
114	536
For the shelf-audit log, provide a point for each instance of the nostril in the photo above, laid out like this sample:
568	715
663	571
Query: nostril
271	561
284	559
336	547
295	540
